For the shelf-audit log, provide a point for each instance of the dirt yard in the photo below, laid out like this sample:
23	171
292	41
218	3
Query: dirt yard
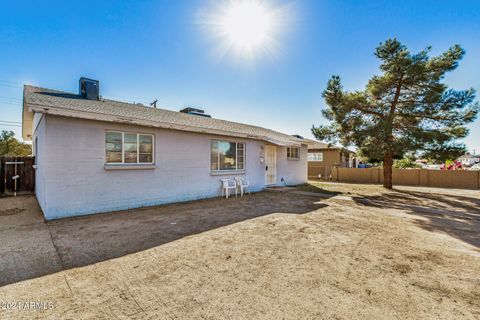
350	251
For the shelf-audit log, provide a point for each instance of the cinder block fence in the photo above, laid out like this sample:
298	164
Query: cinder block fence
457	179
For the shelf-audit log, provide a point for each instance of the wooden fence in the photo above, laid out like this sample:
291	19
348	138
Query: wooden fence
17	175
457	179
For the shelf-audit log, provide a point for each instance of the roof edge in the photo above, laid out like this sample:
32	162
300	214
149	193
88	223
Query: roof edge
145	123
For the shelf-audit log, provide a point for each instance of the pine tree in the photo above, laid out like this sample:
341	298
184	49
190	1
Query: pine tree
405	109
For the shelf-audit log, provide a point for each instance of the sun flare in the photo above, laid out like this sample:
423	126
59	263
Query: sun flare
246	29
247	24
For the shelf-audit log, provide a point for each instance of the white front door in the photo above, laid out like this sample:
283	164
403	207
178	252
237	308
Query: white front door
270	165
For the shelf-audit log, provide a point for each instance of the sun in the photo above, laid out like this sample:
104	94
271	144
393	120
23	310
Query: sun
246	29
247	24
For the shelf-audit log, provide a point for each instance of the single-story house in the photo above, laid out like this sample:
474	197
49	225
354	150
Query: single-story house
323	157
97	155
469	159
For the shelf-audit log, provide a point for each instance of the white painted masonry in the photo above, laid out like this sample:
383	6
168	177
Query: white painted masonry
39	133
71	178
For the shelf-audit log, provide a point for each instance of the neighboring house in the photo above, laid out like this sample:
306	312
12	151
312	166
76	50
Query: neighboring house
97	155
322	158
469	159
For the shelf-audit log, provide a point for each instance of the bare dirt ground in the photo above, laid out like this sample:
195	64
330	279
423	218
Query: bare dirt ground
352	251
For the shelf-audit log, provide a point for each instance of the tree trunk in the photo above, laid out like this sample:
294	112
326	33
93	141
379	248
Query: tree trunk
387	171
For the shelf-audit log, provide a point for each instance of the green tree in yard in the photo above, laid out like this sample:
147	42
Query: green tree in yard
10	146
405	109
453	151
405	163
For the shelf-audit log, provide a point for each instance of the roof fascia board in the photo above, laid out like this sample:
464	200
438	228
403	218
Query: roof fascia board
107	118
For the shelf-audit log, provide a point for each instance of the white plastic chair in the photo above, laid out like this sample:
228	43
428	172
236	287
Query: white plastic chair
227	185
243	185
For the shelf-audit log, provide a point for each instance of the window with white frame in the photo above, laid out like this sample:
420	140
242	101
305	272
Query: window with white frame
293	153
227	156
315	156
128	147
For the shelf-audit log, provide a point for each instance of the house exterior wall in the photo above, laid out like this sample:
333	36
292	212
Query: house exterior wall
39	151
324	168
75	181
470	161
293	172
331	158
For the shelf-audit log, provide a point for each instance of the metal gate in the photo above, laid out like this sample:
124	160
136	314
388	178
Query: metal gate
17	175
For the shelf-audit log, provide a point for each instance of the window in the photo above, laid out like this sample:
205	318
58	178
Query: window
293	153
315	156
227	156
127	147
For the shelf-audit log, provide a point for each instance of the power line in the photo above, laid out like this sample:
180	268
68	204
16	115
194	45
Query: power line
18	103
10	86
11	98
10	121
7	81
11	103
10	125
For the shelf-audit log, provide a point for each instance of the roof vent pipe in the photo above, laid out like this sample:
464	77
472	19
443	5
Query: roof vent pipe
195	112
298	136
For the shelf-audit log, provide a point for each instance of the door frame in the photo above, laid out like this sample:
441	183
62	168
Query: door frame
274	148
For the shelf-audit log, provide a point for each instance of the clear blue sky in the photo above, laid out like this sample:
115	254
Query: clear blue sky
142	50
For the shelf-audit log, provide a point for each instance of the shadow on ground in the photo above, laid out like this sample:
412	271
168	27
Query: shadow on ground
456	215
32	248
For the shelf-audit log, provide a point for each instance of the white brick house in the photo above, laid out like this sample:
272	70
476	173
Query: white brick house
95	155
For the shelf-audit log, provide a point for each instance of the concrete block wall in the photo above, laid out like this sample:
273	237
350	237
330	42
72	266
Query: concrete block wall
39	151
459	179
76	182
292	171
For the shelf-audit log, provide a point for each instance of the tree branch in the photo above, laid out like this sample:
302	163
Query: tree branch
370	111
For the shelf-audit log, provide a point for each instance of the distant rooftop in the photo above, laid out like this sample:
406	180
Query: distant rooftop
314	144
